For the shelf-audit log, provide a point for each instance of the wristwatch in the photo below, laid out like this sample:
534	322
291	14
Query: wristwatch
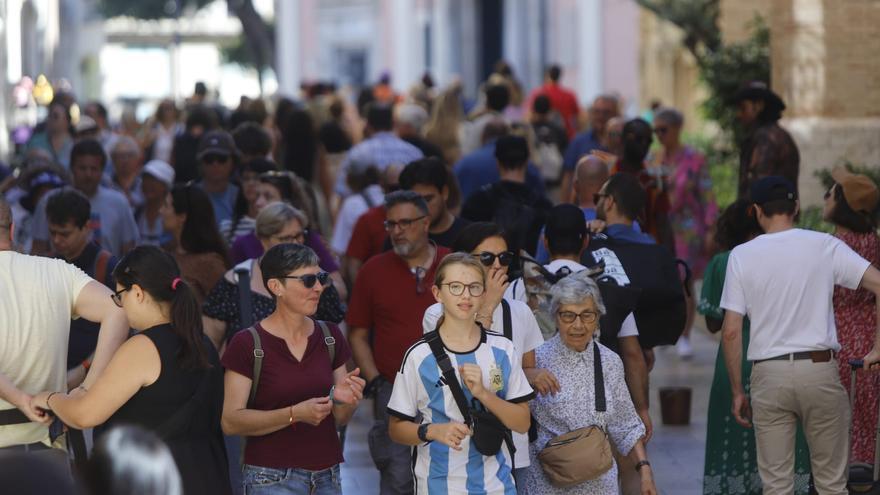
423	432
640	464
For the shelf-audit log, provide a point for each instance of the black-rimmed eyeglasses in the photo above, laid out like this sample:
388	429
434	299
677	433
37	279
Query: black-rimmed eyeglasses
309	280
586	317
117	297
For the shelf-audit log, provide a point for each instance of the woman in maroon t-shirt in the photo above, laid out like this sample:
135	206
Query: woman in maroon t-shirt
301	396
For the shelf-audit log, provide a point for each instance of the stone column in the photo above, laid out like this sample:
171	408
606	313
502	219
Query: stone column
287	47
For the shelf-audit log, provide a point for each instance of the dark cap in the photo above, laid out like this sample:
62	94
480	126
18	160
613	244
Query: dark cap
773	188
219	142
758	90
565	220
512	150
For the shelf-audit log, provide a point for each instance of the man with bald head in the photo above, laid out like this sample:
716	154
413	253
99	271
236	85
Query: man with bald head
38	298
591	172
604	108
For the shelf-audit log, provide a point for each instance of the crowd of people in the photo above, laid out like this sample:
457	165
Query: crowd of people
208	296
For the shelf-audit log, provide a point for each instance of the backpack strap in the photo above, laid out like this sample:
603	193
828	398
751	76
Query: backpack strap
101	263
442	358
329	341
258	364
599	379
508	324
367	199
245	298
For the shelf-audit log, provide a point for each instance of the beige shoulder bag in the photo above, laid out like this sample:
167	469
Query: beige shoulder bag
583	454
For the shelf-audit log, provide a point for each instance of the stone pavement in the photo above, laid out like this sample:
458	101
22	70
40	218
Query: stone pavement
676	452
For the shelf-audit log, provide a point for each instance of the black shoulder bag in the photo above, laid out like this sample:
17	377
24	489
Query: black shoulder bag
489	431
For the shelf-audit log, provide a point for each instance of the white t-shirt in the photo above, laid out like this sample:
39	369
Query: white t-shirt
37	296
352	208
418	388
784	283
526	337
517	291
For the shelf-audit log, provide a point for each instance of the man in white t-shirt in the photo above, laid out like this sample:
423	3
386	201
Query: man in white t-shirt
783	281
38	298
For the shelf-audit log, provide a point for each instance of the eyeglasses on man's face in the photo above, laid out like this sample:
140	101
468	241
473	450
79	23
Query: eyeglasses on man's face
403	223
310	279
457	288
586	317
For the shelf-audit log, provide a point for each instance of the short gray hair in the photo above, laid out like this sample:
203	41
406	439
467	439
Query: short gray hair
575	289
274	216
670	116
400	197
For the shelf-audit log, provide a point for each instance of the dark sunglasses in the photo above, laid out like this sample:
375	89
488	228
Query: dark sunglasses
309	280
598	197
488	259
215	158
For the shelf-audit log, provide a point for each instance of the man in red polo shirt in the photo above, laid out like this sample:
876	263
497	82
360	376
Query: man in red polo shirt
563	100
390	296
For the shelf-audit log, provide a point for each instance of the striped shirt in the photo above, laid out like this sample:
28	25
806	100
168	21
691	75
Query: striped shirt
419	389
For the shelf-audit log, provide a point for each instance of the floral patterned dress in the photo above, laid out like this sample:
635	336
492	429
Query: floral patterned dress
855	316
731	464
692	208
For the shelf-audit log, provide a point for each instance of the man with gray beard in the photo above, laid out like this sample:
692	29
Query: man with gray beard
390	296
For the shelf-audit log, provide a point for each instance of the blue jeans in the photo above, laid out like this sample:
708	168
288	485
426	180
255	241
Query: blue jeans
268	481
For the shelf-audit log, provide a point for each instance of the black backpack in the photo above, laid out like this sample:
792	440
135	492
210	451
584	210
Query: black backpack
521	222
660	309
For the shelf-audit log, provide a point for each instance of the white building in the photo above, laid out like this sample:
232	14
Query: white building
355	41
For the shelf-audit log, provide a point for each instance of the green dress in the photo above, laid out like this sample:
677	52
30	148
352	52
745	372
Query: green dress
731	458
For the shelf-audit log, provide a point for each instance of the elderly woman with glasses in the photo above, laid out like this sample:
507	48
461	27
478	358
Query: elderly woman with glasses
277	223
569	356
289	403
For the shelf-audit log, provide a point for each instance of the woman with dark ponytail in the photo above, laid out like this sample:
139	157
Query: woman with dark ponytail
167	378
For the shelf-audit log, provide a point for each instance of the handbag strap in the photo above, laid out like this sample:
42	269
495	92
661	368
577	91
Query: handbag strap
245	300
508	324
258	364
329	341
442	358
598	379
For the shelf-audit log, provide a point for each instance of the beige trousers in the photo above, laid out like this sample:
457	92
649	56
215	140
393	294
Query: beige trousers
785	392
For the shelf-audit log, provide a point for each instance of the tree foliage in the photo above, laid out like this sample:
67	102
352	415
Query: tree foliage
256	49
149	9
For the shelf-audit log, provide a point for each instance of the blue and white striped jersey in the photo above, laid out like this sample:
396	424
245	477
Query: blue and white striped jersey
420	389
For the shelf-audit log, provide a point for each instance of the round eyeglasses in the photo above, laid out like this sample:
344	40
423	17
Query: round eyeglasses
457	288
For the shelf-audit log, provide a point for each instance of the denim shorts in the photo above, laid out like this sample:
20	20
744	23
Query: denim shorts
265	481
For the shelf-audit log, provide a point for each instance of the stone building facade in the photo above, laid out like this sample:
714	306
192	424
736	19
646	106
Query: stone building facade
825	61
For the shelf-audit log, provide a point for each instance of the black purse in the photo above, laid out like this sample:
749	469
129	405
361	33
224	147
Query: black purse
489	431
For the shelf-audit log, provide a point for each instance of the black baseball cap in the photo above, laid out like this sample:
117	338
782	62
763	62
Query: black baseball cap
216	142
565	220
773	188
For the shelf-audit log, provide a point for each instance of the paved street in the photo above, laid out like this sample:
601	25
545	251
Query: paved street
676	452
